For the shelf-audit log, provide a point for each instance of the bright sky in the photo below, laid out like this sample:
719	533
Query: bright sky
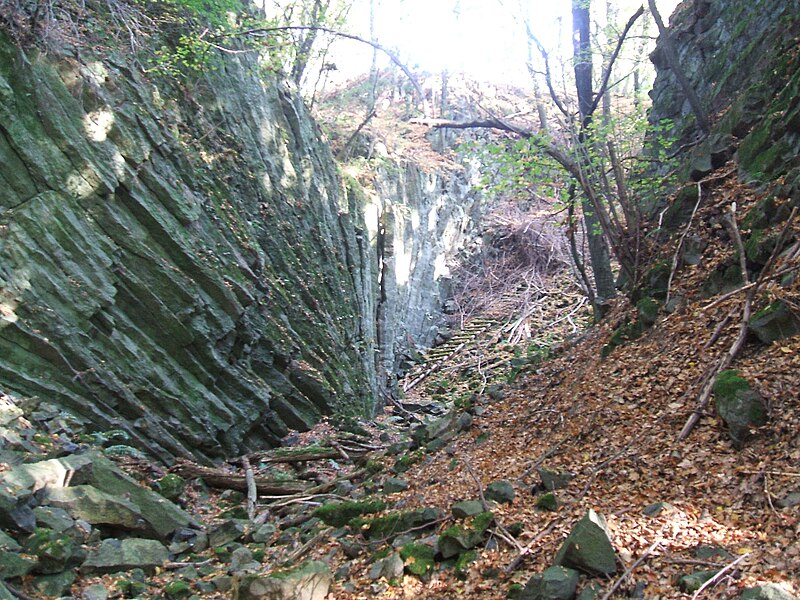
483	38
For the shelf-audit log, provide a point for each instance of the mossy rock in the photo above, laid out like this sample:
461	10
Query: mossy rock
680	211
54	550
500	491
418	559
177	589
770	591
626	332
457	539
692	582
648	309
391	525
738	405
464	561
725	278
339	514
775	322
547	501
555	583
656	280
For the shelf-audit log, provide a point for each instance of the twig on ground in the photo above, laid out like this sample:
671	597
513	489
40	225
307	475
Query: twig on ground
630	569
676	259
171	566
718	576
297	554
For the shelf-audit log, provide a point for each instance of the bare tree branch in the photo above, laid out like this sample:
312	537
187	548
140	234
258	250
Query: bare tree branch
257	31
612	60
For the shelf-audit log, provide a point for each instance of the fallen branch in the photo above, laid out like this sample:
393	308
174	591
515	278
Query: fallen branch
302	550
630	569
292	455
726	359
170	566
677	256
219	479
718	576
252	492
526	551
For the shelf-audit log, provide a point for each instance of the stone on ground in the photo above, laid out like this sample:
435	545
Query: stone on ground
123	555
555	583
770	591
96	507
466	508
500	491
588	547
310	581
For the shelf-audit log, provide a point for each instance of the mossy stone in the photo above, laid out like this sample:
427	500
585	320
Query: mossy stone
339	514
547	501
739	406
418	559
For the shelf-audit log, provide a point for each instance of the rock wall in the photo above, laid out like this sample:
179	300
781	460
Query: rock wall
179	262
741	57
424	218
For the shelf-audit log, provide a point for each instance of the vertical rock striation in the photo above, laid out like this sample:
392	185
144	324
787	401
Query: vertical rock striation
179	262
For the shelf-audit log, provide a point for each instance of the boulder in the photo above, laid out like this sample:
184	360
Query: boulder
123	555
15	510
692	582
223	534
242	561
555	583
554	480
770	591
55	585
162	516
547	501
7	543
739	406
390	567
96	507
775	322
96	591
393	485
459	538
309	581
53	550
588	547
13	565
500	491
418	558
466	508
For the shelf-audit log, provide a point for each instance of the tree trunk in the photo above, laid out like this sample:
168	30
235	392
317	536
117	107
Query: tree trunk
598	247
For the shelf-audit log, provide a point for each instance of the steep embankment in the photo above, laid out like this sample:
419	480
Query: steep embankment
182	261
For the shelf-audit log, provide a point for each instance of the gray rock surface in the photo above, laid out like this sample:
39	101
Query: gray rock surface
309	581
588	547
122	555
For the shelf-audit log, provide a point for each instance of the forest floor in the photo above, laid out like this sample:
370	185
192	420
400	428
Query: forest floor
542	396
614	424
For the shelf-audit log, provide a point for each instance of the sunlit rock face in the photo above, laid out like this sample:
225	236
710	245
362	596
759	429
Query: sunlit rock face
425	218
183	264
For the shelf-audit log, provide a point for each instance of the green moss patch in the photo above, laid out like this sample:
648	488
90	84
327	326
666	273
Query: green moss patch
339	514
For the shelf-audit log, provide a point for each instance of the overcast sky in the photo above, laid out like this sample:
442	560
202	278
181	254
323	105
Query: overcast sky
483	38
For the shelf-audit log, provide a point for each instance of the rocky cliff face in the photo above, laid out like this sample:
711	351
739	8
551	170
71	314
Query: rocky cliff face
184	263
742	59
425	217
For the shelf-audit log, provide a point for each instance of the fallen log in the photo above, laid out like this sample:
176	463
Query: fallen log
217	478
